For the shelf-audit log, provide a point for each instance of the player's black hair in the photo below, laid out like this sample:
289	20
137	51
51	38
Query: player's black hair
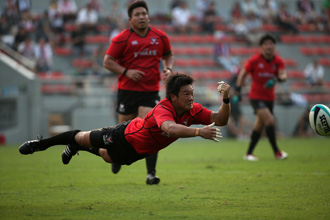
175	82
136	4
267	37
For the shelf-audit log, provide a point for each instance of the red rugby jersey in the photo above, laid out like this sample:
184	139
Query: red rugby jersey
142	53
261	71
145	134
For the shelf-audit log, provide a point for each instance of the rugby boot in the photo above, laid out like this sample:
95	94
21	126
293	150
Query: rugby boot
250	157
115	168
281	155
69	152
152	179
29	147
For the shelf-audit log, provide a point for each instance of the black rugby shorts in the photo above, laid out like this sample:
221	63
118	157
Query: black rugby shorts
128	102
258	104
113	139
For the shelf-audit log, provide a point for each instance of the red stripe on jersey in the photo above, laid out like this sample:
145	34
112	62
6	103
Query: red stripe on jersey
261	71
145	134
142	53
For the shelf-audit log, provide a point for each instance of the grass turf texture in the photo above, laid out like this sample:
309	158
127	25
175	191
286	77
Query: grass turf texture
199	180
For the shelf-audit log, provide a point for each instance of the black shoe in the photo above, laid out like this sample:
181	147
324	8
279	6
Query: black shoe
115	168
68	153
152	179
30	147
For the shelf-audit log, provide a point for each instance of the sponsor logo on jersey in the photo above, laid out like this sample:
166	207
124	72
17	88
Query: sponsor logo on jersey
154	41
265	75
107	140
146	52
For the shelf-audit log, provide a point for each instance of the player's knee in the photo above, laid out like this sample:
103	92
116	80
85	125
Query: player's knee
270	121
78	137
82	138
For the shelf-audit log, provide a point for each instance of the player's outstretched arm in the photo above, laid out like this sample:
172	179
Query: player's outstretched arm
221	117
175	130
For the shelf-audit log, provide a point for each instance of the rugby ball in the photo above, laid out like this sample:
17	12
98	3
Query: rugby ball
319	119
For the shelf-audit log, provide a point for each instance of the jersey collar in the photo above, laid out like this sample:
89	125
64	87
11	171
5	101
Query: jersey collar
267	60
132	31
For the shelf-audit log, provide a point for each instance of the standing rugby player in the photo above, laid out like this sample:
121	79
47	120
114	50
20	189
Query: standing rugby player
135	55
266	69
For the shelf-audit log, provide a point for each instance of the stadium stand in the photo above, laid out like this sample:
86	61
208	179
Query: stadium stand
325	61
315	38
63	51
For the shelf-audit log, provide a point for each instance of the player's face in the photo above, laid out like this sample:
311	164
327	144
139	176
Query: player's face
140	19
268	48
185	98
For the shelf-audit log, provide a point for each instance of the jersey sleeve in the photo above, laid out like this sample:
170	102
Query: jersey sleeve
166	42
249	65
162	114
167	46
201	115
281	64
116	47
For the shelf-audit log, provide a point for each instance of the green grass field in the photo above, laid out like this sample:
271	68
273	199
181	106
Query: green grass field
200	179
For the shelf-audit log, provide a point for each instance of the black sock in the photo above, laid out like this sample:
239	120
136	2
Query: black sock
65	138
270	132
255	136
151	161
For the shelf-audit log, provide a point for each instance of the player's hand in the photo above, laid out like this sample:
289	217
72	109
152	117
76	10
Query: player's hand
211	133
270	83
167	74
134	75
224	89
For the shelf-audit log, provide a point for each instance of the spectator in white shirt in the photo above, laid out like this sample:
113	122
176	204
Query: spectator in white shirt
23	5
88	18
268	10
26	48
68	9
180	17
56	24
44	55
249	6
55	17
254	27
314	73
201	8
27	21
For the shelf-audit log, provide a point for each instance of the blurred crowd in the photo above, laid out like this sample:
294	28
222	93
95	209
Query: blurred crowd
36	36
248	16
